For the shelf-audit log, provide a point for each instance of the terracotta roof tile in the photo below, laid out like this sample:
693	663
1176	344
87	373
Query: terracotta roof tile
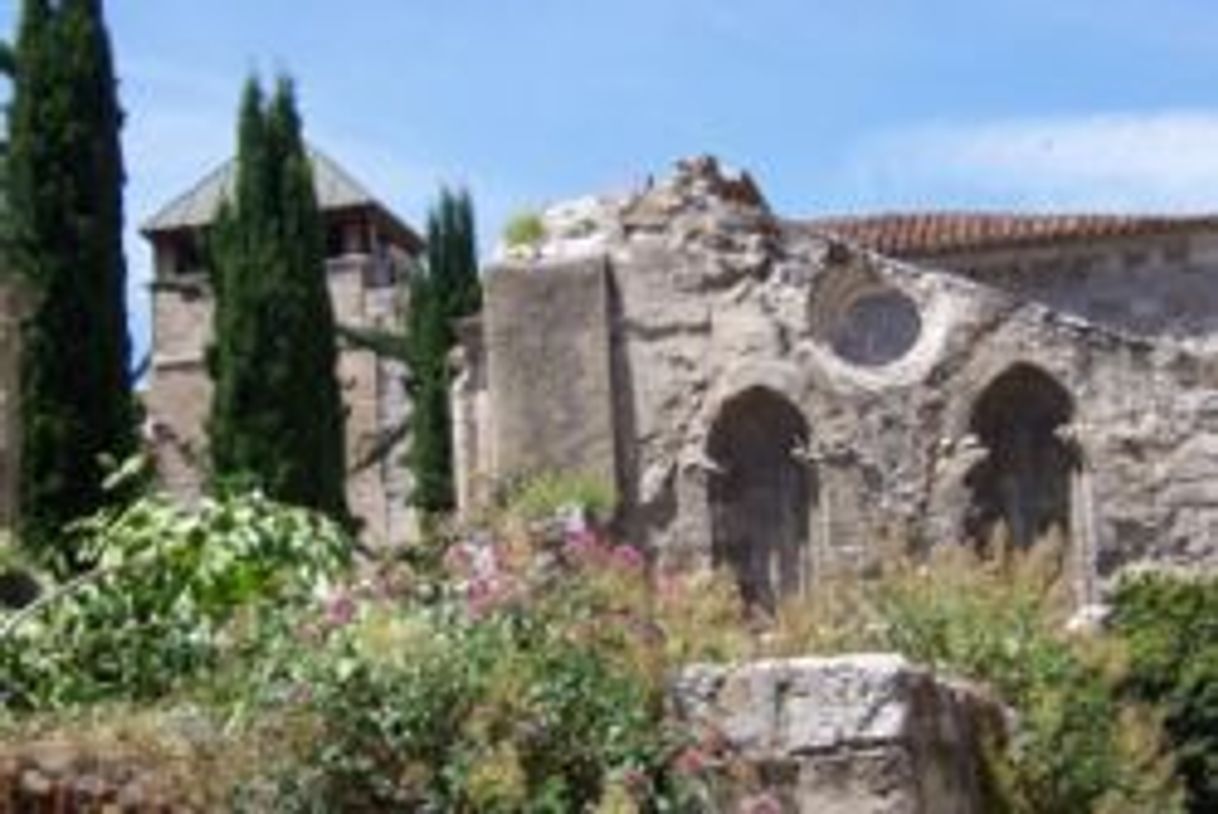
921	234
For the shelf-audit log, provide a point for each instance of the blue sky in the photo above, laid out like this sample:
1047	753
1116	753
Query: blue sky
853	105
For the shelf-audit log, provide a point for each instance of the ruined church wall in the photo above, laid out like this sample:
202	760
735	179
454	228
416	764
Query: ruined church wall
889	441
1164	285
709	299
1144	426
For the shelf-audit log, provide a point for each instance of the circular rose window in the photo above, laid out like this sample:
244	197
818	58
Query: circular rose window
877	328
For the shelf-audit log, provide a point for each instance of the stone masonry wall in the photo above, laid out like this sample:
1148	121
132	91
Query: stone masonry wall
712	298
179	394
549	375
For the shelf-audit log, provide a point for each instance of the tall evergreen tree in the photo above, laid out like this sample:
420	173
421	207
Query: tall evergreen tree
276	416
65	183
447	289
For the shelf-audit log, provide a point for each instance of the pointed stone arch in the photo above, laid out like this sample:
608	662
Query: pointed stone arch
1026	479
761	493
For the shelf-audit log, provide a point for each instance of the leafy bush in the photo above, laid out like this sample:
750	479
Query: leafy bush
521	665
162	603
524	229
1170	626
526	680
1000	621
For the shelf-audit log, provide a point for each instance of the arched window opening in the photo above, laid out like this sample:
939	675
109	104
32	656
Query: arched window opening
1024	482
760	495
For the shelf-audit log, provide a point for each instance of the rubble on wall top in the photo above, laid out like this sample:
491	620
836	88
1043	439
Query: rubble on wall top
699	185
703	176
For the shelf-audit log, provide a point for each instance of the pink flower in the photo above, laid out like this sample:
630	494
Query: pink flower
581	547
628	557
484	594
340	610
764	803
458	559
692	760
635	781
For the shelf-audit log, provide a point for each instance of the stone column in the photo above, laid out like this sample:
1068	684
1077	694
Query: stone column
1083	545
468	407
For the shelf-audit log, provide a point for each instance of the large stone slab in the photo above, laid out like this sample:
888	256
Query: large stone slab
547	335
864	734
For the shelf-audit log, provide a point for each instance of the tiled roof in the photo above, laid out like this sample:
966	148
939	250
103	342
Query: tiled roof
921	234
336	189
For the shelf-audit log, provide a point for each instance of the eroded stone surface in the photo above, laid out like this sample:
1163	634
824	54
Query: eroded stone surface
866	733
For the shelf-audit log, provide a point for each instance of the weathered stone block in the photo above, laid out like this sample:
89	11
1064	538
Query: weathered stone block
857	734
549	368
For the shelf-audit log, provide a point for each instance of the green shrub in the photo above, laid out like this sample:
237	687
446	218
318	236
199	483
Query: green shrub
1170	627
160	607
524	229
512	687
547	495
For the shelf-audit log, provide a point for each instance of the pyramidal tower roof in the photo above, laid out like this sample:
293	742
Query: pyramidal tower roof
336	189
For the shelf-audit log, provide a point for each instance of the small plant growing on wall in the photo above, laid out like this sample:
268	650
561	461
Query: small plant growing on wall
524	229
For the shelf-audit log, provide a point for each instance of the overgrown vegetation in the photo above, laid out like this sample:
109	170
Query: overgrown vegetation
276	415
64	223
546	495
1171	628
174	595
521	665
505	691
1001	620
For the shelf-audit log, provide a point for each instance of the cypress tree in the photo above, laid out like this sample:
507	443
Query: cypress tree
446	290
65	185
276	416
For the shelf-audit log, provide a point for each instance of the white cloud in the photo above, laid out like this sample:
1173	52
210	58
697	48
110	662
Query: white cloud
1157	160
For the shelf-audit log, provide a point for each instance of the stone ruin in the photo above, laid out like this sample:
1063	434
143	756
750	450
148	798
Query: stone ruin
368	250
864	734
778	396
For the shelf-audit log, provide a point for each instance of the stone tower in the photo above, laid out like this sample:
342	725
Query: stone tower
368	250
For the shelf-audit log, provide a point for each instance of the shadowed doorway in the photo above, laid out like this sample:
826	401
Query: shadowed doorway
760	495
1025	480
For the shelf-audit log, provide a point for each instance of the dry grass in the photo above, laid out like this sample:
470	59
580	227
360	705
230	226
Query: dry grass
177	752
